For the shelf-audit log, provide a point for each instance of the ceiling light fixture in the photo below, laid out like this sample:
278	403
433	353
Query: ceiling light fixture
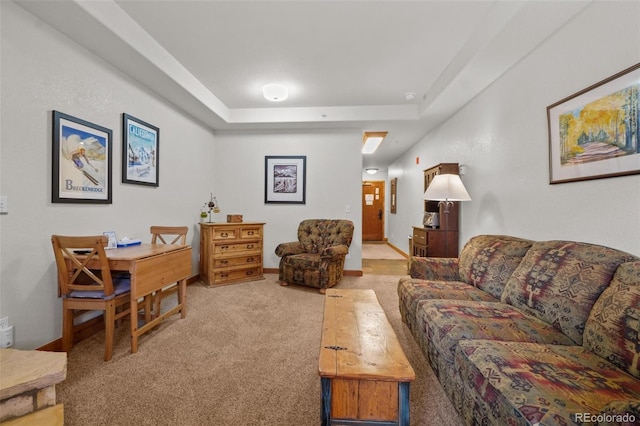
275	92
371	141
372	170
409	96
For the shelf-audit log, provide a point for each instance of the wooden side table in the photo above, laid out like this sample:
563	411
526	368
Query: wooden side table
27	388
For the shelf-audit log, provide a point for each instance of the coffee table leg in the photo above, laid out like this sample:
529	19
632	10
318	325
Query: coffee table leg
403	396
326	400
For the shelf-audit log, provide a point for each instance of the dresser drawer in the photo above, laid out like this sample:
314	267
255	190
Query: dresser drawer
230	262
243	274
224	233
232	248
419	236
251	232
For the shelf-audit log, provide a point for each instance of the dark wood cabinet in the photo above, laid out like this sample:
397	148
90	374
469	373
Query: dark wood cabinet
440	241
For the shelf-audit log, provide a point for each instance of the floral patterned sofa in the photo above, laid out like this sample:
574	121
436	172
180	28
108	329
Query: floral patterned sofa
317	258
526	332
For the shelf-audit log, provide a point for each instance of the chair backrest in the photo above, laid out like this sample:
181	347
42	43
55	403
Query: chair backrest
82	264
169	234
318	234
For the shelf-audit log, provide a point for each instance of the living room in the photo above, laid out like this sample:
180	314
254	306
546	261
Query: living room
500	137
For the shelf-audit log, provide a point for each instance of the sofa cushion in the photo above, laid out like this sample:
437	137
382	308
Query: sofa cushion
411	291
559	281
446	322
613	328
528	383
487	261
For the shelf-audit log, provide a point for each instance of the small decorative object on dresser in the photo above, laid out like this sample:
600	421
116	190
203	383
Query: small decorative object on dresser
230	252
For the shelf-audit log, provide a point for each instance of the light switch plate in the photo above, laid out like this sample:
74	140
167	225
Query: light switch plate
4	204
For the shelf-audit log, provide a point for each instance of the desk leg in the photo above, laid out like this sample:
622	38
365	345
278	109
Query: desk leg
325	405
403	397
182	297
134	325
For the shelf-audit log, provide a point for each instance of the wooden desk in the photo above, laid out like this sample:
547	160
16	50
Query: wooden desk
152	267
365	375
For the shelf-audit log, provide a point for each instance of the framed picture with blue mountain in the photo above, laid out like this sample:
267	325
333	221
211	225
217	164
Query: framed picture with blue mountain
140	152
595	133
81	161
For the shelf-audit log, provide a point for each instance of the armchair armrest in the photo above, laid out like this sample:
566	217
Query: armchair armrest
333	251
287	249
434	268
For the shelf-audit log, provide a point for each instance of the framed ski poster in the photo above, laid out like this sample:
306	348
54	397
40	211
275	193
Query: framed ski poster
140	152
81	170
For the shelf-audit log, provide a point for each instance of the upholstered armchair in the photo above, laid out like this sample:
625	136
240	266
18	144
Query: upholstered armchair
317	258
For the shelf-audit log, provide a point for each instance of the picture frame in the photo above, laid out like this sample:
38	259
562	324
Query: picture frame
81	161
285	179
595	133
140	152
394	194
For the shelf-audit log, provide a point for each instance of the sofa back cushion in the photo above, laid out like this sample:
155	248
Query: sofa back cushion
559	281
613	328
487	261
317	234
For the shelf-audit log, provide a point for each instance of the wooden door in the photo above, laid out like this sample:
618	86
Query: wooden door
373	210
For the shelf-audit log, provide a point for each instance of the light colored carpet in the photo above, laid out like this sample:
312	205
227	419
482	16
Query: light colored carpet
380	251
246	354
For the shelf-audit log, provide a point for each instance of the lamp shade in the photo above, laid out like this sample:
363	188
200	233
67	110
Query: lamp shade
446	187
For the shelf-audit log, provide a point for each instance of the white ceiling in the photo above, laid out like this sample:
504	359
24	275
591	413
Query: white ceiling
347	64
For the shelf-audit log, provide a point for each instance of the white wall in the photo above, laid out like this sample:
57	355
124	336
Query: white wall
501	139
42	71
334	164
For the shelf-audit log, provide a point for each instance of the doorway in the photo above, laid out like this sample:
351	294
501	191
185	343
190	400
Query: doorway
373	210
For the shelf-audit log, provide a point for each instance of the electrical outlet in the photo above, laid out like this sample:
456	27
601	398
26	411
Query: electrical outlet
4	323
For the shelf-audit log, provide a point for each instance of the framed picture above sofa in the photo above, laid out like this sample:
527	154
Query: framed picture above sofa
595	133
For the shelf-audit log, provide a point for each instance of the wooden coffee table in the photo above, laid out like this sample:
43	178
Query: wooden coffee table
364	373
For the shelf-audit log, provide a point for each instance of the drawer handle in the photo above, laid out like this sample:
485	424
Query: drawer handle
249	272
251	233
223	248
250	259
224	234
250	246
224	275
224	262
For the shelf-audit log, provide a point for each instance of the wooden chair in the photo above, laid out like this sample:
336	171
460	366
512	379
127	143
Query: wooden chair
167	235
86	286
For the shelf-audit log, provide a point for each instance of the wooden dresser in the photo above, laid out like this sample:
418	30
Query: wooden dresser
230	252
443	240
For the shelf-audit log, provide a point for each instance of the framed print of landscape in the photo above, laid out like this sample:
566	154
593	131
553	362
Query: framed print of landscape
285	179
81	169
595	133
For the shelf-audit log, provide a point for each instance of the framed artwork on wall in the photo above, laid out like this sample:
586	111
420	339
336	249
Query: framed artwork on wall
394	193
285	179
81	169
140	152
595	133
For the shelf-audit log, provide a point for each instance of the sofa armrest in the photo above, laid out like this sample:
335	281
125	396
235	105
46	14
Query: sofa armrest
434	268
287	249
334	251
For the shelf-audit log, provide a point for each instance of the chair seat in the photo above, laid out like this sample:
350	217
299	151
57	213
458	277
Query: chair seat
120	286
303	261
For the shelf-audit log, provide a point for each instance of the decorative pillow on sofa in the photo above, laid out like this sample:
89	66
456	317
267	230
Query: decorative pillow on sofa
613	328
487	261
559	281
